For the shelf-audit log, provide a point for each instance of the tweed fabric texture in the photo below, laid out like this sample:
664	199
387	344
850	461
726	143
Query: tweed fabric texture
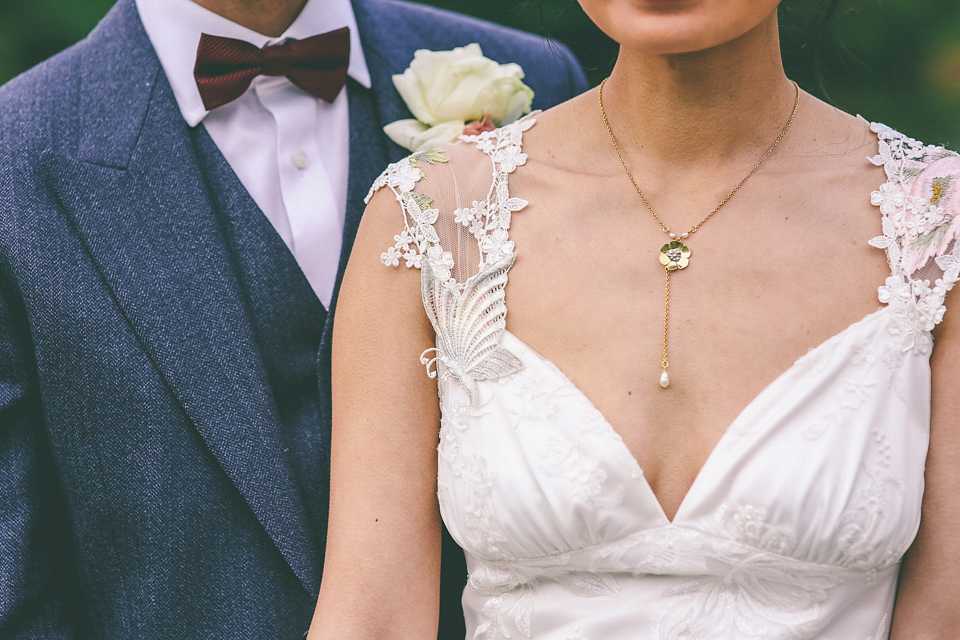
287	320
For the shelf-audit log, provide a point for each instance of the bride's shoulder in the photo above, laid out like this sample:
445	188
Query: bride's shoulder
476	160
452	197
447	165
903	158
920	196
920	200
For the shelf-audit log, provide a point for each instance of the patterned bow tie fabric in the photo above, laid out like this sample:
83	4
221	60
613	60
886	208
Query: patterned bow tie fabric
225	66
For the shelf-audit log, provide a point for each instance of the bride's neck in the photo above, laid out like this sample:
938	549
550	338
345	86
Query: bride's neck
268	17
718	103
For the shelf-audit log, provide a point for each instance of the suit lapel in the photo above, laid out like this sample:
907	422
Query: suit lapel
135	195
378	37
370	110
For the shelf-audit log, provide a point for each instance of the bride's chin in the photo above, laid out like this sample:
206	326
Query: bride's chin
675	27
670	42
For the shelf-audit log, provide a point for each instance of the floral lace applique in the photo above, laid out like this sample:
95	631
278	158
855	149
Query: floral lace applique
419	238
487	220
575	635
919	204
584	473
511	591
509	603
481	530
758	595
468	317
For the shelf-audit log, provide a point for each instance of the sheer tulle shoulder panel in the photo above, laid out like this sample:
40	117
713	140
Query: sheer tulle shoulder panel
456	204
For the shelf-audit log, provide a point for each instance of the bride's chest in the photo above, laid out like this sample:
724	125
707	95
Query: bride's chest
824	465
739	315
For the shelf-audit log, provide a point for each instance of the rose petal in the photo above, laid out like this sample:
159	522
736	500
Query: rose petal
403	132
462	84
437	136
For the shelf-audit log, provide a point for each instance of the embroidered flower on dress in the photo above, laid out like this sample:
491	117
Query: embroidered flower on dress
890	198
854	393
405	177
413	259
935	193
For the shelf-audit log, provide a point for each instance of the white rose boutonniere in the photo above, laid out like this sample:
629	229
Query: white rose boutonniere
453	92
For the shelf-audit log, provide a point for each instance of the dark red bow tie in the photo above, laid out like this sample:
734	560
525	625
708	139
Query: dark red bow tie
226	67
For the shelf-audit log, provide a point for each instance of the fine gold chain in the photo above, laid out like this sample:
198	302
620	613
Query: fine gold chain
675	255
666	323
694	228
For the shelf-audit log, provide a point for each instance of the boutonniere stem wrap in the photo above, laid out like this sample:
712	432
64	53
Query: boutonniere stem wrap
456	92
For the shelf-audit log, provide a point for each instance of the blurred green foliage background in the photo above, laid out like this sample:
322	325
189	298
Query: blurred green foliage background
895	61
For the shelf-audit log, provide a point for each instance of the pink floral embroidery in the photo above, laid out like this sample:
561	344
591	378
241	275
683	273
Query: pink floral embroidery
930	218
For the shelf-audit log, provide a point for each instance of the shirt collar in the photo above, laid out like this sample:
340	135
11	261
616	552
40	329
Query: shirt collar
174	28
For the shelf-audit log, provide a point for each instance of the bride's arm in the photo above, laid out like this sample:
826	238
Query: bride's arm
928	600
381	571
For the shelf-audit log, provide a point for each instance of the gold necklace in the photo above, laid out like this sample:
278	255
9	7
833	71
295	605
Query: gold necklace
675	255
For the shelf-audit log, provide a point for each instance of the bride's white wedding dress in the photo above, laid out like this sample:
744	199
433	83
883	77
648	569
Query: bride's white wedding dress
796	524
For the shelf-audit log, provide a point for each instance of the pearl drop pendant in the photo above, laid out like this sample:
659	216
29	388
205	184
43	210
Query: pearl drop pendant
664	380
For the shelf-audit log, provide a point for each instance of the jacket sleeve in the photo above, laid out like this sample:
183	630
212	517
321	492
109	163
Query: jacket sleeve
577	79
553	72
33	559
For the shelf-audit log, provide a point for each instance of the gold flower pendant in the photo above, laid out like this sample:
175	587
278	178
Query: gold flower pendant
674	255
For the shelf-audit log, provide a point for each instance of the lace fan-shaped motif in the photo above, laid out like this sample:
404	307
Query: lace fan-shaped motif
468	325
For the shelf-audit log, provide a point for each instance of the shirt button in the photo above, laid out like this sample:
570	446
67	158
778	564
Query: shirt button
300	160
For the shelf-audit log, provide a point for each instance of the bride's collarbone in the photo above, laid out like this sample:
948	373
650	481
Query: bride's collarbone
783	267
745	309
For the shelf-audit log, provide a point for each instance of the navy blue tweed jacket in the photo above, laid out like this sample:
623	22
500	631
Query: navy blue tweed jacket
146	490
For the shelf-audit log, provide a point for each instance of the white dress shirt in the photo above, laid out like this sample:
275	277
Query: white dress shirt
290	150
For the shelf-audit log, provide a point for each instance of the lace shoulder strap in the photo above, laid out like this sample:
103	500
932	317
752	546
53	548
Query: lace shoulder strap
456	207
447	196
920	208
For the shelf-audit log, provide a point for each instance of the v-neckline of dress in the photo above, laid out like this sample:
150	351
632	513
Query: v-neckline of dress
742	416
